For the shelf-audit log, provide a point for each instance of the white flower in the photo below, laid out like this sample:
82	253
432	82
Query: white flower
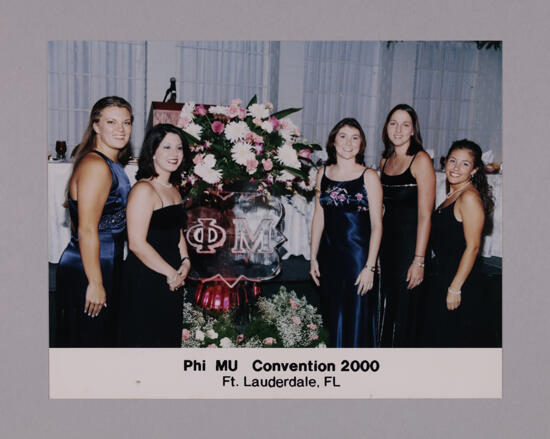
236	131
209	160
267	126
212	334
194	129
199	335
258	110
288	129
219	109
242	152
286	154
187	110
311	180
208	174
226	343
285	176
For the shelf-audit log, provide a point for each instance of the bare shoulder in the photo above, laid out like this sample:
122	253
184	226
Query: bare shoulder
422	159
470	199
371	176
93	165
142	189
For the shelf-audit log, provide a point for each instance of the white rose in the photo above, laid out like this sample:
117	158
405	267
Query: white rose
226	343
199	335
211	334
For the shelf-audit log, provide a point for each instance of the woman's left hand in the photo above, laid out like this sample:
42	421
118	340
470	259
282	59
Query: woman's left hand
453	301
365	281
415	276
183	271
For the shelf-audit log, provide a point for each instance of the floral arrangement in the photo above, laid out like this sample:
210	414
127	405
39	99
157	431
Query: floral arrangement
234	143
283	320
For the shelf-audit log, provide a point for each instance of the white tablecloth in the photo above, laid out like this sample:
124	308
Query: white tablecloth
296	222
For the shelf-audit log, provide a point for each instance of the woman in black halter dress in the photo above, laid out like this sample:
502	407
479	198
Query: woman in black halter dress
345	237
408	182
89	270
158	262
455	305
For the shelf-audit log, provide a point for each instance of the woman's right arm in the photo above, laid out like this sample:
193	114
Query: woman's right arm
93	181
317	226
138	216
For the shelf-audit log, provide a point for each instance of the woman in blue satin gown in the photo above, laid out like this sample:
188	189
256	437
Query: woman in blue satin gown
345	237
89	269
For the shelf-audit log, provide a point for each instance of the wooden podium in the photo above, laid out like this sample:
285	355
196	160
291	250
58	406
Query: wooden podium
163	112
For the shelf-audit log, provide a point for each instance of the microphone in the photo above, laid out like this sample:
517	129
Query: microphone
171	91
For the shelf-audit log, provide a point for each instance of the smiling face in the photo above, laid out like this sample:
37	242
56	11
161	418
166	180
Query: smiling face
113	129
459	166
347	142
400	128
169	154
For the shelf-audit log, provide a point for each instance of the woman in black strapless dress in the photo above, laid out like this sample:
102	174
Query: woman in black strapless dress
345	237
408	181
89	270
158	262
455	305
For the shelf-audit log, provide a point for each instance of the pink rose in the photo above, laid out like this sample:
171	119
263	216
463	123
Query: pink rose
258	139
359	196
198	159
257	121
293	304
275	122
296	320
313	337
305	153
334	195
218	127
341	197
233	111
240	338
312	326
242	113
200	110
267	164
212	345
269	341
236	102
251	165
185	334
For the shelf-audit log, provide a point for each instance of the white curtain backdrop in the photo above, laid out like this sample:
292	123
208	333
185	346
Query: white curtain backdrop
458	94
343	79
80	73
215	72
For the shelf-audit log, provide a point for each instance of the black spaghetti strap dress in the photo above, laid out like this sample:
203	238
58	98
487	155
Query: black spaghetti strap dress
459	327
399	324
74	328
150	314
343	252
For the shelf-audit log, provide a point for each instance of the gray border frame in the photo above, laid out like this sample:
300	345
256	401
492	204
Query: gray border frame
25	410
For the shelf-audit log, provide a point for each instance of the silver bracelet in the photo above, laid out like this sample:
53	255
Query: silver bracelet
373	268
455	292
419	264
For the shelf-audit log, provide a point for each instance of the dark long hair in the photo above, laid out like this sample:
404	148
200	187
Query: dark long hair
153	138
331	150
416	138
479	179
89	138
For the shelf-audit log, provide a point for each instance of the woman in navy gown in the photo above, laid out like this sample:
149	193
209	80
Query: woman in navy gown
158	261
408	182
89	269
345	237
455	302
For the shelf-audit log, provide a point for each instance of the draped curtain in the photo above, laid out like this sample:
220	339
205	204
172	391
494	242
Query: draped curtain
343	79
80	73
458	94
215	72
